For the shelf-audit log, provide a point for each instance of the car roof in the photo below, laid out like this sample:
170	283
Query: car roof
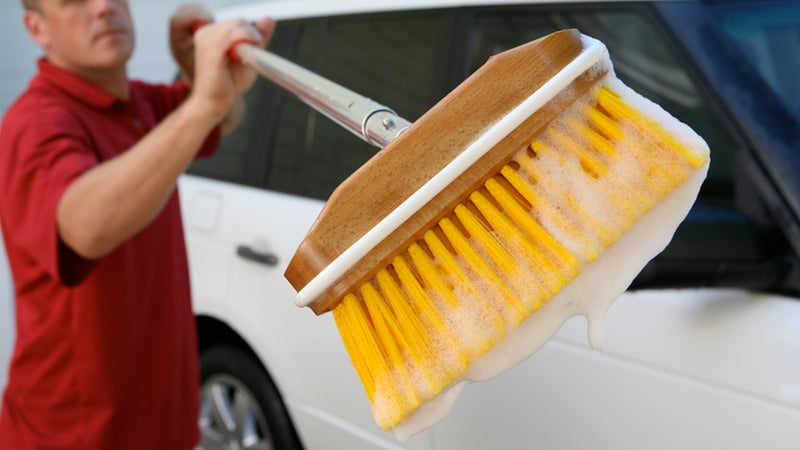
296	9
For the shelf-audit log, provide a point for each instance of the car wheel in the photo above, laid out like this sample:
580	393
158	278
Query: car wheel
240	407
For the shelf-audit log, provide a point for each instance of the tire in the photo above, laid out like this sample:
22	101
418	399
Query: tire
240	407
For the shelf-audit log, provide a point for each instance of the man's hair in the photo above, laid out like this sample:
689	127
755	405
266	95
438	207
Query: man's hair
31	4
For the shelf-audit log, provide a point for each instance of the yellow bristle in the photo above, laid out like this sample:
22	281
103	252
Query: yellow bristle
483	270
478	231
413	331
358	337
589	162
619	200
448	264
536	234
432	275
584	134
414	341
604	124
579	215
589	247
467	282
392	342
436	280
598	141
464	286
611	102
512	237
439	368
605	142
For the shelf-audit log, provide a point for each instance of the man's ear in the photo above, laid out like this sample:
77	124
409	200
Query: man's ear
37	27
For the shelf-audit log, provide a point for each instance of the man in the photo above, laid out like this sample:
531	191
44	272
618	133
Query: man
105	356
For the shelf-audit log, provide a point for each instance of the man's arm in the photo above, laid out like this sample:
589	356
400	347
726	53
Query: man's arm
114	200
234	116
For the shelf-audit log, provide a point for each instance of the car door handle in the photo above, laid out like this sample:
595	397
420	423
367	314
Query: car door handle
247	252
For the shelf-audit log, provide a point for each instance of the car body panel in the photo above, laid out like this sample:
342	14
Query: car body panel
703	352
668	377
301	351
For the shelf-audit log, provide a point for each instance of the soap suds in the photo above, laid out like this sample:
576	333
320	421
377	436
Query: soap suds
591	294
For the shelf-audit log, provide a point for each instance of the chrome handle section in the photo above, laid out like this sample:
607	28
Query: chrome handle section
247	252
373	122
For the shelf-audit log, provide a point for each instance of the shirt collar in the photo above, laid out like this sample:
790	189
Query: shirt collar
76	86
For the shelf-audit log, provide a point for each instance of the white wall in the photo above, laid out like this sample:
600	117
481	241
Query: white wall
151	60
18	53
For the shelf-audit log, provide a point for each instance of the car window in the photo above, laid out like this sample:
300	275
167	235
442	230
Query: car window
770	40
242	155
286	146
372	55
410	60
718	244
642	59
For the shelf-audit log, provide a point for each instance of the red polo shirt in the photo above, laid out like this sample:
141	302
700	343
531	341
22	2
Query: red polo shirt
106	351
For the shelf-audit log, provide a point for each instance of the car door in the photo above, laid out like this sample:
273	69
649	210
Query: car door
695	354
248	208
708	362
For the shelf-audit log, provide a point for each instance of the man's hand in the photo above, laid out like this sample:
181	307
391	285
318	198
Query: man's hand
181	36
204	55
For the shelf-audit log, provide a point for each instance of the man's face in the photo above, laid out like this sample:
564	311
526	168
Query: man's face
83	35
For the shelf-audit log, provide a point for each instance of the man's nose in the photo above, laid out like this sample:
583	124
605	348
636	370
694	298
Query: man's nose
104	7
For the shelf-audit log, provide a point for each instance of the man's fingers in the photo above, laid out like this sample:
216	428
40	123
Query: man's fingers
266	26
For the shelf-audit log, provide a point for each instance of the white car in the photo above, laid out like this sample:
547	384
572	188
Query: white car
704	350
702	353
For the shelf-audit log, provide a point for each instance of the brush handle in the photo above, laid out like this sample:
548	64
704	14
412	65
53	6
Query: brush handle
367	119
371	121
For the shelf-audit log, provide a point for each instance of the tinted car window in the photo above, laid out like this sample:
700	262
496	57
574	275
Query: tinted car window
642	59
410	60
720	243
766	36
373	55
286	146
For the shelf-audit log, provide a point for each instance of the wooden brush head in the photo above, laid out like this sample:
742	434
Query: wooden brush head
440	135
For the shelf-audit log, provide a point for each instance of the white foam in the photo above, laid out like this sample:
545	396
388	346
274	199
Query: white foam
590	294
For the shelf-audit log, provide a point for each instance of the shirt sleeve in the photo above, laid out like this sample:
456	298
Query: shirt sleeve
39	159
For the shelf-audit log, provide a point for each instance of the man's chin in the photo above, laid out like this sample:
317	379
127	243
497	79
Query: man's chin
114	48
112	60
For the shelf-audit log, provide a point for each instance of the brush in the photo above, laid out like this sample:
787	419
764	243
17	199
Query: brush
470	220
